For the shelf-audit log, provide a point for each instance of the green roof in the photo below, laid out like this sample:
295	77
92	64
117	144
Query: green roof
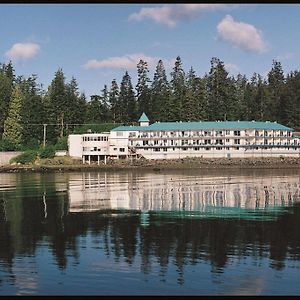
129	128
143	118
221	125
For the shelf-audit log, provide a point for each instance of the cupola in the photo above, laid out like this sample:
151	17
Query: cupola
144	121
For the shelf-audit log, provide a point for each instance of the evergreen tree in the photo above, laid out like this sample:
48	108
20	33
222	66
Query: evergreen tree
256	98
113	100
239	108
56	106
160	94
33	111
191	107
142	88
127	100
81	109
13	125
77	104
218	91
291	109
106	115
7	79
178	92
94	111
275	100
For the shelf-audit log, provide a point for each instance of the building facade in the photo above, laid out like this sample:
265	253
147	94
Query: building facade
175	140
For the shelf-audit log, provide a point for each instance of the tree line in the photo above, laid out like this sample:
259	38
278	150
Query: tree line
184	96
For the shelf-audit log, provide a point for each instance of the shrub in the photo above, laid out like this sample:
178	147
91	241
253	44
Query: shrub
47	152
32	144
25	158
62	143
7	145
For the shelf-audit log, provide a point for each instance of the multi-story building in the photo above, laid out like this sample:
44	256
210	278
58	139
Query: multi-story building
173	140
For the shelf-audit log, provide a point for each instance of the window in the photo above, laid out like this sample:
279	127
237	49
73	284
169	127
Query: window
115	149
227	140
165	149
184	148
156	149
122	149
236	141
227	132
196	148
237	133
219	148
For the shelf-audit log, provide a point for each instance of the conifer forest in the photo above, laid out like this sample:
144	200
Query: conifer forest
181	95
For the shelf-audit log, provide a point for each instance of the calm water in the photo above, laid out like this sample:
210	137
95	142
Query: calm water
141	233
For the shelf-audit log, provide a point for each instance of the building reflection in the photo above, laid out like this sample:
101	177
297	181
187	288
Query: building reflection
97	192
56	210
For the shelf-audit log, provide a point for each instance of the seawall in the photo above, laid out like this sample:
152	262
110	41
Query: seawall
5	156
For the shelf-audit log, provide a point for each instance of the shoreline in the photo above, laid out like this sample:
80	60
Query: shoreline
157	165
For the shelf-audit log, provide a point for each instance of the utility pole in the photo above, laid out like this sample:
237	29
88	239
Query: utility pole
44	143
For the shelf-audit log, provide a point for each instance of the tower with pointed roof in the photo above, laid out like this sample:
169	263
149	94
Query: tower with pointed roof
144	121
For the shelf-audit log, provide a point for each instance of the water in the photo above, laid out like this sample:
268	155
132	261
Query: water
141	233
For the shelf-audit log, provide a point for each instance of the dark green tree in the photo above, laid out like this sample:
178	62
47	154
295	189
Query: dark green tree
94	112
239	107
160	94
114	104
7	79
127	100
219	94
178	92
256	98
291	107
191	107
56	106
275	100
142	89
13	125
33	111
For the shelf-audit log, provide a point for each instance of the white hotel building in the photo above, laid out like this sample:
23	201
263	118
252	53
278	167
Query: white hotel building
173	140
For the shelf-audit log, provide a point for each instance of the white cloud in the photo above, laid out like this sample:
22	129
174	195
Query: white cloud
170	14
127	62
241	35
23	51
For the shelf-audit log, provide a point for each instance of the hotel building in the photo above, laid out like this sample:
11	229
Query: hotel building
173	140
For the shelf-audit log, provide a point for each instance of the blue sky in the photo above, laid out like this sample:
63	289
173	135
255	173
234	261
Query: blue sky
96	43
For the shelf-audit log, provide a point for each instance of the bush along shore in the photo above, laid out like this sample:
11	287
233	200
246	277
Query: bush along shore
65	164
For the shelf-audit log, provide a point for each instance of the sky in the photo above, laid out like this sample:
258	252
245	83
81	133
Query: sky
96	43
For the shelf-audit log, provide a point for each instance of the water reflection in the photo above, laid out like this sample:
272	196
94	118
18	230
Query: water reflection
180	193
137	225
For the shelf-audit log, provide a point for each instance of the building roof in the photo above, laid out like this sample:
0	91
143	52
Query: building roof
219	125
143	118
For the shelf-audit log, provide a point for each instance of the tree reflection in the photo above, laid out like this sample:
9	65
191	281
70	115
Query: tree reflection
28	218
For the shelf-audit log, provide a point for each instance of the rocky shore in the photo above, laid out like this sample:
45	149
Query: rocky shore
61	165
